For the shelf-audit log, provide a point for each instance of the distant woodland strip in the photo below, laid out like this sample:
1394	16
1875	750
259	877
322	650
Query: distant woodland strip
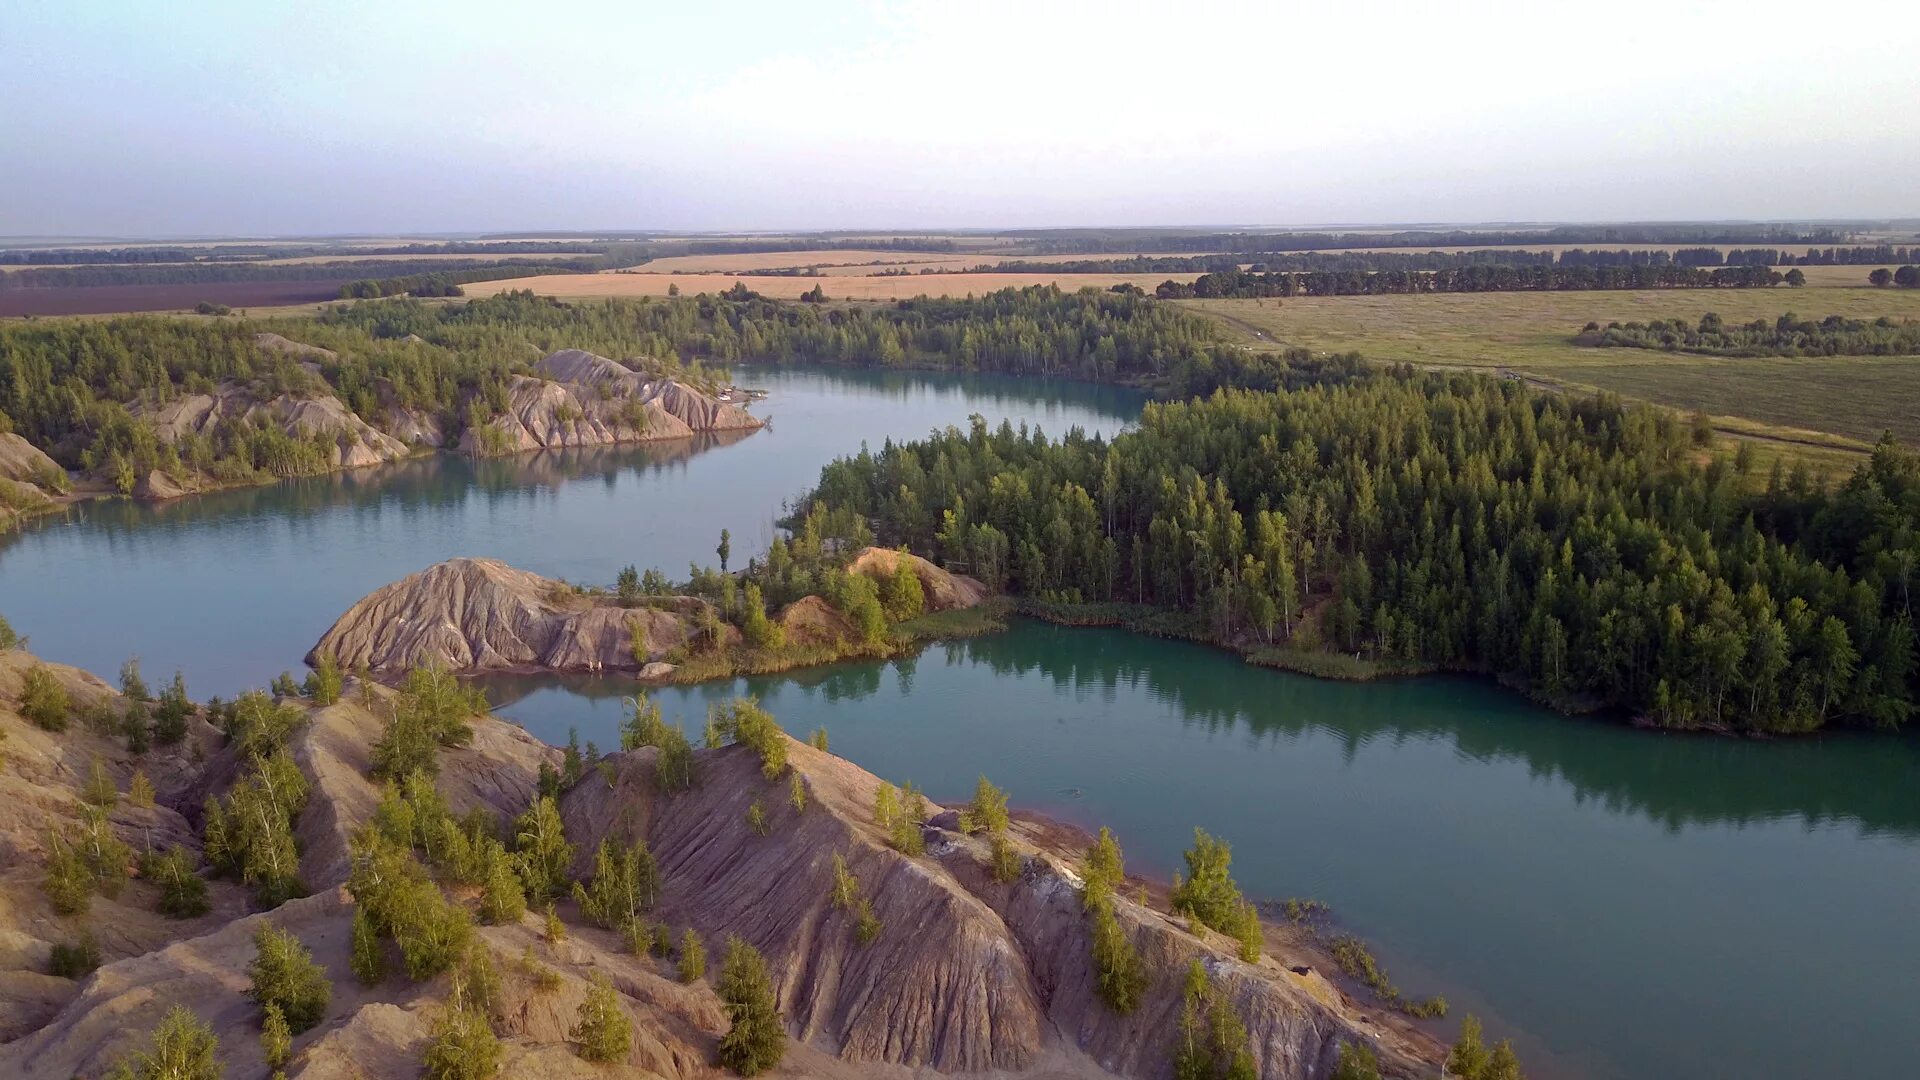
1834	335
1243	285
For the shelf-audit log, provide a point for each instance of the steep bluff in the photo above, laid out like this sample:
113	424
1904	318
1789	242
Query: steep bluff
473	615
967	975
575	398
356	443
483	615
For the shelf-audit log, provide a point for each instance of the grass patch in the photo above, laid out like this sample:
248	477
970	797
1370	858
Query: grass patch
1530	335
1342	667
986	618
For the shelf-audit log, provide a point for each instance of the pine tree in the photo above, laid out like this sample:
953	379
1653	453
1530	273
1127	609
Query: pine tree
758	1037
184	1048
604	1031
276	1038
285	977
693	957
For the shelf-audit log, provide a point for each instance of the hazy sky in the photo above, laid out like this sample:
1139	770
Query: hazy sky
258	118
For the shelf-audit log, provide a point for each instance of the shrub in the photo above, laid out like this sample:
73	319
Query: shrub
542	854
132	686
100	789
140	789
1357	1062
604	1032
367	959
757	818
9	639
74	959
276	1038
1208	893
285	976
324	683
988	811
170	717
797	794
693	957
43	700
183	893
462	1045
758	1038
184	1048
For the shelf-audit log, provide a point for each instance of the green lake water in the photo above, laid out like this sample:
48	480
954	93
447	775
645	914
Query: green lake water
1625	904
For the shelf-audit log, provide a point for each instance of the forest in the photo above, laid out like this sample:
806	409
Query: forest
1575	547
72	387
1788	335
1245	285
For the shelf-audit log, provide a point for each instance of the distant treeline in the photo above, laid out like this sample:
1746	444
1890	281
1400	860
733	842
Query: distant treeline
1245	285
1846	256
216	272
1090	241
1363	261
1834	335
756	247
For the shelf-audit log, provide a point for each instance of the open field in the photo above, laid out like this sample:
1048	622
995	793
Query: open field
1530	334
106	299
587	286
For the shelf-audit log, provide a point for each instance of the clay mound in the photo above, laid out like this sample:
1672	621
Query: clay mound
23	462
812	621
942	987
40	787
287	346
483	615
356	443
944	589
579	399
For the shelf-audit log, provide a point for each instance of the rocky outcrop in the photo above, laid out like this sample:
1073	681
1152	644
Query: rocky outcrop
968	974
29	479
576	398
355	443
944	590
482	615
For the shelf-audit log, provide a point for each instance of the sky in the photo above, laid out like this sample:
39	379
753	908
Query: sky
213	118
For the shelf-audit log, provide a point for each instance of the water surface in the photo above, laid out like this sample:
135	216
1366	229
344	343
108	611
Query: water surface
1631	904
235	586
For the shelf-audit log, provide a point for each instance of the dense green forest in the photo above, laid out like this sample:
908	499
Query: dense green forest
73	387
1243	285
1788	335
1574	546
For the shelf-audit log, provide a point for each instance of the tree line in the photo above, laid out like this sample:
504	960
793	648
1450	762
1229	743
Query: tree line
1242	285
1095	241
1906	277
1570	545
1788	335
1843	256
